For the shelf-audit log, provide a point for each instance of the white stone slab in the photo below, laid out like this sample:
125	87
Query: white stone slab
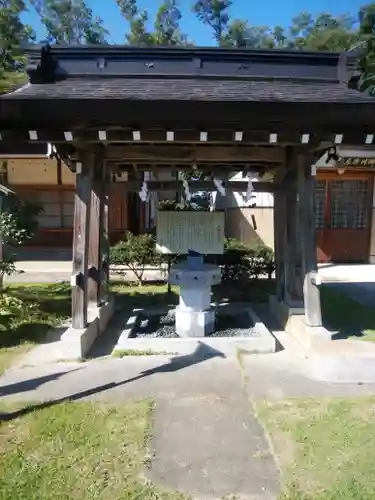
226	346
177	232
194	323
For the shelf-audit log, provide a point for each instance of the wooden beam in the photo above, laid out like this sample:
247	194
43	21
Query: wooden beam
238	186
187	134
94	235
200	153
82	207
207	168
307	230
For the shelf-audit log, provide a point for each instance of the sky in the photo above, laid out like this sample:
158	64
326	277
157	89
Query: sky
257	12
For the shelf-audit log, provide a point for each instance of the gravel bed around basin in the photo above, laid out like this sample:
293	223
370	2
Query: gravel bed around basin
153	330
163	325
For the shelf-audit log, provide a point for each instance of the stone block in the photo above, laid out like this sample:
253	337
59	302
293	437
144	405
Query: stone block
195	299
292	319
343	361
76	343
194	323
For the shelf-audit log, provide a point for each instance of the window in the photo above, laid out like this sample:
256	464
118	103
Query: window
320	203
349	204
342	204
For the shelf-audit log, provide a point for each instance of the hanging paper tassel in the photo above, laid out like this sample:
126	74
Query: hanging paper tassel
212	201
51	151
187	190
143	194
219	186
250	188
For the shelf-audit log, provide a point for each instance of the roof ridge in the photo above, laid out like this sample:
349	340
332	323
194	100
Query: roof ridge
198	78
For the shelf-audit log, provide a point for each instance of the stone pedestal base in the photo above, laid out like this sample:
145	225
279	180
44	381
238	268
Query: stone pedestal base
195	299
194	323
292	319
76	343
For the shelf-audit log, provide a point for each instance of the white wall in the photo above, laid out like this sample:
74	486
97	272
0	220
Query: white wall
259	199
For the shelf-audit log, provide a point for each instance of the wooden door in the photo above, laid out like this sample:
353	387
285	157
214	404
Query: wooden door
118	212
343	218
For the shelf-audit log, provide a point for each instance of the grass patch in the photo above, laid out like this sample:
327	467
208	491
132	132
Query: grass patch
78	450
346	316
324	447
43	306
131	296
133	352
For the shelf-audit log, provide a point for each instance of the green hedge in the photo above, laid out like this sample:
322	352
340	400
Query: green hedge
238	262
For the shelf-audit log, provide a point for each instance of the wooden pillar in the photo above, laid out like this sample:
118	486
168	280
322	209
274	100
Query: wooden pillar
104	235
279	217
293	271
82	205
94	265
306	202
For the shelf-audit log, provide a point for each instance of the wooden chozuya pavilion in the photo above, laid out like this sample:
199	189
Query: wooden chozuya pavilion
117	108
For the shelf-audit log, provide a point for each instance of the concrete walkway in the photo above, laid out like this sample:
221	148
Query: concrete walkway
283	375
206	441
59	271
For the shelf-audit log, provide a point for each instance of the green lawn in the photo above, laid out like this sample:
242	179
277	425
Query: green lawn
133	296
346	316
88	451
41	307
325	448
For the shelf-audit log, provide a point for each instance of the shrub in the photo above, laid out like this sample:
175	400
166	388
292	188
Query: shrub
18	220
13	308
135	252
18	223
234	260
263	262
240	262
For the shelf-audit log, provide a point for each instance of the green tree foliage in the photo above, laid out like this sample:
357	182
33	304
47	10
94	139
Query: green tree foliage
18	220
70	21
13	33
367	36
18	223
138	33
166	26
136	253
214	13
325	32
240	34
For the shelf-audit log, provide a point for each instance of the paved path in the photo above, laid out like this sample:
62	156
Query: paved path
281	375
58	271
206	441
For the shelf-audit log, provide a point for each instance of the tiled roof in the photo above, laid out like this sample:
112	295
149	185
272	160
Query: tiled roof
189	89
